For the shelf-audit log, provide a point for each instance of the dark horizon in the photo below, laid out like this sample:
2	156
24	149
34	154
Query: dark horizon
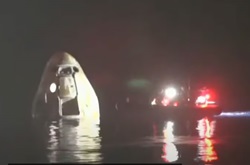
117	40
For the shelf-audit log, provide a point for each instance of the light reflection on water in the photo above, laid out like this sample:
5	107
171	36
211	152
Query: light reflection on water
77	141
170	152
206	151
74	141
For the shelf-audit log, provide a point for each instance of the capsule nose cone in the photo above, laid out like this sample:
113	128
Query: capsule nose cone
64	58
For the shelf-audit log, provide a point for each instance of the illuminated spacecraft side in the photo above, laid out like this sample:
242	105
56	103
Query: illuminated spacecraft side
65	91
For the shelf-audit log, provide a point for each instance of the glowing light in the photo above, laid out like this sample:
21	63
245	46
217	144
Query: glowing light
165	101
207	98
176	104
201	99
52	87
170	92
235	114
211	102
153	102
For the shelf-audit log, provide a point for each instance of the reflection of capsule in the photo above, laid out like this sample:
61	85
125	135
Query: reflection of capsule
65	91
68	135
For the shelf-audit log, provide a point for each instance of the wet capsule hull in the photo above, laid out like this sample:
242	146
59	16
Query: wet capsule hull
65	91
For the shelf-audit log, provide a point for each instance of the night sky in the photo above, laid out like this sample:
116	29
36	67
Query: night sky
118	40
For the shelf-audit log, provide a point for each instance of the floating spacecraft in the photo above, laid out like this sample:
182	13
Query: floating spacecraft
65	91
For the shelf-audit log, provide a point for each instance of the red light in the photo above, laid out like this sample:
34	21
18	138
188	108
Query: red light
208	93
206	98
165	102
176	104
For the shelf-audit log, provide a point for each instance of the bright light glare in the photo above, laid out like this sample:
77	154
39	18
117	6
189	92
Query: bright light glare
211	102
52	88
201	99
235	114
170	92
153	102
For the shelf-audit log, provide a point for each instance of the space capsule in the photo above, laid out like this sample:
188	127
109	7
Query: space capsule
65	91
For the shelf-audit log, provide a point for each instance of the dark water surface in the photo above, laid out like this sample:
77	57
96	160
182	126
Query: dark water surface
220	140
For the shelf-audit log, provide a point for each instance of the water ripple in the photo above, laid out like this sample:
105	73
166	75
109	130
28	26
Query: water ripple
74	141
